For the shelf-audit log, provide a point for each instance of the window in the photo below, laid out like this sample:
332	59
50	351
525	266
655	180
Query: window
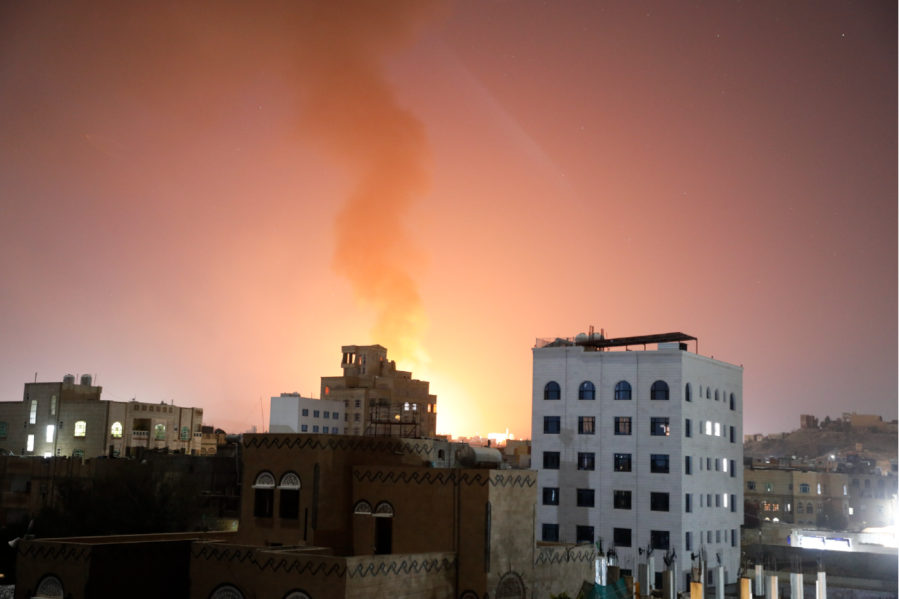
160	431
708	427
809	508
688	502
708	536
708	393
622	425
325	429
688	393
733	435
550	495
552	391
708	500
358	403
622	462
688	541
659	539
659	390
623	390
305	411
621	537
551	533
723	464
701	500
185	433
357	417
733	469
327	414
264	500
717	464
289	508
658	463
733	531
750	484
50	430
586	498
586	425
819	488
33	417
4	429
584	534
717	429
716	395
53	405
733	502
621	500
658	502
733	402
586	391
799	508
550	460
688	427
552	425
717	536
867	484
80	428
688	464
314	428
304	428
804	488
346	417
586	461
717	500
659	427
315	413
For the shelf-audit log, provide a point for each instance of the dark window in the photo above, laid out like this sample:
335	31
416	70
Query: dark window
733	533
717	500
552	425
586	461
659	427
688	464
584	534
659	390
689	542
733	502
732	435
264	506
552	390
708	500
688	393
659	539
550	460
623	390
733	469
688	427
622	500
708	393
551	533
622	462
716	395
688	503
585	498
550	495
289	508
305	412
717	536
658	463
586	391
586	425
717	464
621	537
622	425
315	413
314	428
658	502
733	402
708	463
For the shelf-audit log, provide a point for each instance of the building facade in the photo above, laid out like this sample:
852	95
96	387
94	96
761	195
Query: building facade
639	449
292	413
379	400
69	419
796	496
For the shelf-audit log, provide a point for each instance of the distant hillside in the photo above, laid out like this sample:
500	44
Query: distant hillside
814	443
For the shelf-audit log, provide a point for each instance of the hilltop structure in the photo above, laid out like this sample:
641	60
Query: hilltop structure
378	399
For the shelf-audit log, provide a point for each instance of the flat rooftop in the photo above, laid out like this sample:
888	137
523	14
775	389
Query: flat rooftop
598	341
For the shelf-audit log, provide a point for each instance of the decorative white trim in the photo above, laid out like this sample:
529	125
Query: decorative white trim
363	508
227	592
50	587
265	480
290	481
384	510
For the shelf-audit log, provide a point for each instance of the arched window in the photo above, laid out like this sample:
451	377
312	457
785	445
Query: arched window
716	395
867	483
363	508
441	454
659	390
733	402
226	591
185	433
116	430
50	586
688	393
264	490
799	508
296	595
623	390
586	391
160	432
809	508
289	507
708	393
384	510
80	428
552	390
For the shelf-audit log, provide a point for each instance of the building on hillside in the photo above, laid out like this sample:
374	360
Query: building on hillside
379	400
782	493
808	421
869	422
329	517
292	413
69	419
639	448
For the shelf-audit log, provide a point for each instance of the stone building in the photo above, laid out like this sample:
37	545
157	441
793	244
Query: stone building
872	500
328	516
379	400
869	422
69	419
639	448
775	493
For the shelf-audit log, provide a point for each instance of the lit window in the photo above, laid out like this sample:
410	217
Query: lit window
725	499
845	490
708	428
52	405
50	430
185	433
819	488
724	464
327	391
80	428
717	429
160	432
30	443
33	417
406	407
116	430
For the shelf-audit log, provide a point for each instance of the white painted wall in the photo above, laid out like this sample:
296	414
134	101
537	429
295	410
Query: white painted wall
294	414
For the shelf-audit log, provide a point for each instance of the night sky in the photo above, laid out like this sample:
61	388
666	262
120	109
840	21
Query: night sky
201	202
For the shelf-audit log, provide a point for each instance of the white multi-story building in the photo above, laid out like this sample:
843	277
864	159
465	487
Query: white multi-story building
291	413
639	448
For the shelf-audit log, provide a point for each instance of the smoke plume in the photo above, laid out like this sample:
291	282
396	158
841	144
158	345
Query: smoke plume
350	110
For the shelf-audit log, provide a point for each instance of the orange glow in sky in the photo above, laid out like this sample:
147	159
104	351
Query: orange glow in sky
173	203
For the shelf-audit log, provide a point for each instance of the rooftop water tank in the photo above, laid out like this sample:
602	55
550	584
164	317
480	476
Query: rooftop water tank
479	457
86	379
69	378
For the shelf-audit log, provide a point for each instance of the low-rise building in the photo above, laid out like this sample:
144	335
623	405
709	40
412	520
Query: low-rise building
292	413
872	500
69	419
790	495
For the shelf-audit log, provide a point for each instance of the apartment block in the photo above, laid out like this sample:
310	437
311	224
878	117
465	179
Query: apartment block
292	413
639	448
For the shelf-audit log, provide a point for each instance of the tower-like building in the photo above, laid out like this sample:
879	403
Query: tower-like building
640	448
378	399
